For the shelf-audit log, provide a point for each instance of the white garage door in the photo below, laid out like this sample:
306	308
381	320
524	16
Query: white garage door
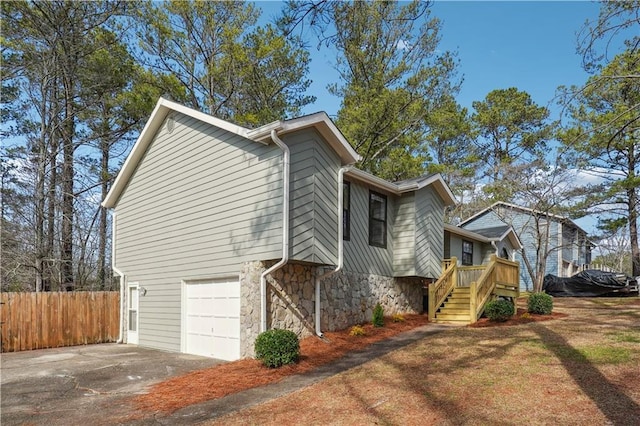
212	319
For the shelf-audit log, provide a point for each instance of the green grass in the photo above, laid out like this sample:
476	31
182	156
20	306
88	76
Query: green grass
593	354
626	337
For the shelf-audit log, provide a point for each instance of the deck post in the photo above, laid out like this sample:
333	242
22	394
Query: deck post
473	301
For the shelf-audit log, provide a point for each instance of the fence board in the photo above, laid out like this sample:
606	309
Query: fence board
49	320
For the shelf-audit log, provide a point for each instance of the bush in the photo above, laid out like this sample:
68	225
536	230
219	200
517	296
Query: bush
499	310
357	330
378	316
398	318
276	348
540	303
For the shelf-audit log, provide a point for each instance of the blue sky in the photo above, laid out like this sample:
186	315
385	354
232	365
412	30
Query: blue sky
528	45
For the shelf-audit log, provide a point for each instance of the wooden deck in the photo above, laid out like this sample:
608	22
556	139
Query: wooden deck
461	293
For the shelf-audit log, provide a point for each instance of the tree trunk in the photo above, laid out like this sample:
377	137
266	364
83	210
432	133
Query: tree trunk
102	224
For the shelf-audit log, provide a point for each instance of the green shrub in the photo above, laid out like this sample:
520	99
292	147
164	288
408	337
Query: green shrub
276	348
540	303
378	316
499	310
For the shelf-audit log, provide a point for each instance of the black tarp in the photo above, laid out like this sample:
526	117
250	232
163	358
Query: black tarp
590	283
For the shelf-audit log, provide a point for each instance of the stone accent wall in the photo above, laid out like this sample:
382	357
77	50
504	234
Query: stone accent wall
346	299
290	301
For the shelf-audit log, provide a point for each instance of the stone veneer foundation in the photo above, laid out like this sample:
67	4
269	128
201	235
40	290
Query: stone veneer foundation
346	298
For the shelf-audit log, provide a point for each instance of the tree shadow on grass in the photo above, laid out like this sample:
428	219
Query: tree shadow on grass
617	406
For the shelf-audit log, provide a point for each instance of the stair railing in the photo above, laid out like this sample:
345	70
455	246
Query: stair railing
441	289
501	273
481	290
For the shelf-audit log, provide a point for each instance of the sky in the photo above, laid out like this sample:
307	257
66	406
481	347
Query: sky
530	45
500	44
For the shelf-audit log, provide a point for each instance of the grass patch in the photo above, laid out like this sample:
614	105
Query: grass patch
626	337
593	354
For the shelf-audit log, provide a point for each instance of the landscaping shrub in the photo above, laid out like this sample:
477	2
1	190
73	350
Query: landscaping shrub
378	316
398	318
276	348
499	310
540	303
357	330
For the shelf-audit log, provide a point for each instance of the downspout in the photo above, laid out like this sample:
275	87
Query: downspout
319	278
493	244
285	230
115	269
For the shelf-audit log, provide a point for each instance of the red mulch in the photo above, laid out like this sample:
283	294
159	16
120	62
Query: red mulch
225	379
233	377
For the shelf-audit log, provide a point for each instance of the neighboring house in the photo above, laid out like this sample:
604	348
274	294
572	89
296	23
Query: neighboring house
221	232
567	246
476	247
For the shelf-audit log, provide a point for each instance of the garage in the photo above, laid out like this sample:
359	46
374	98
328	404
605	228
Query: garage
211	319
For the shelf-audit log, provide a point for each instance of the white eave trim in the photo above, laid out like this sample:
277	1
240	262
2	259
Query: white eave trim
523	209
440	186
160	112
509	233
321	122
465	233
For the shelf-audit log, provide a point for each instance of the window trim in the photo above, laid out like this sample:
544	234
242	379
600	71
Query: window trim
383	221
346	211
469	263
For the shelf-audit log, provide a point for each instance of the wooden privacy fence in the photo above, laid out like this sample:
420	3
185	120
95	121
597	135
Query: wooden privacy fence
52	320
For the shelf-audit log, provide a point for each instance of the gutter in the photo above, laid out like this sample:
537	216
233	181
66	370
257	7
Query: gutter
285	230
319	278
115	269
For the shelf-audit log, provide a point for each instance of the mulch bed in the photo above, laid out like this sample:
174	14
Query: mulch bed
225	379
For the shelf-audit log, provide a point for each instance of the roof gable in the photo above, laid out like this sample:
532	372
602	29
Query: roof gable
320	121
488	235
411	185
524	210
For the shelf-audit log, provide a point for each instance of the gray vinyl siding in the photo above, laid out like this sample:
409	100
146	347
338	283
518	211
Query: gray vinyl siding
359	256
429	234
481	251
314	199
404	242
201	202
524	226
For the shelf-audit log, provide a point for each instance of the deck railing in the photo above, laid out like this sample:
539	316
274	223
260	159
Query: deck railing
439	291
500	276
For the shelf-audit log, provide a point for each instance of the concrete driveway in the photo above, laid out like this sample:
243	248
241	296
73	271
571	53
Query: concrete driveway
83	385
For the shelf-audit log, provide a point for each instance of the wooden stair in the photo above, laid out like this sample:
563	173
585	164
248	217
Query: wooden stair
455	309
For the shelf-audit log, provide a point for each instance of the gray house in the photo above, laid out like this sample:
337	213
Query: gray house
221	232
476	247
565	244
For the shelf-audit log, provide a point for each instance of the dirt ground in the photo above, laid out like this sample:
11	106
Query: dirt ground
577	366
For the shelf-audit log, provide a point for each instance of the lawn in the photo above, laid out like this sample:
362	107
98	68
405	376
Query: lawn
582	369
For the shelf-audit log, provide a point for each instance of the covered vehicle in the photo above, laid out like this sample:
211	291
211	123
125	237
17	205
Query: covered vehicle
591	283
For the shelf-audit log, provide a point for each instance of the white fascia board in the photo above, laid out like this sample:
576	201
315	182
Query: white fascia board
374	181
526	210
441	187
319	121
513	238
162	109
206	118
466	233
